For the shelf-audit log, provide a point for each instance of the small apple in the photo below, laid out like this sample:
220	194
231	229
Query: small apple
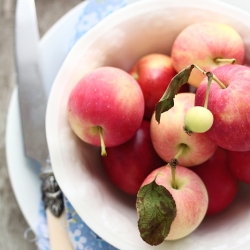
221	184
198	119
190	196
229	106
168	137
106	107
153	73
239	163
208	45
128	164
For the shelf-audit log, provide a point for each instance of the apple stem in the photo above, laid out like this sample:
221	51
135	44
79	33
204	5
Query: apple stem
180	151
225	60
135	76
174	162
103	148
210	77
214	77
174	185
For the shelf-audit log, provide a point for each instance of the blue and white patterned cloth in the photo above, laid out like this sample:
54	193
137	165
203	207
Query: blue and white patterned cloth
93	13
82	237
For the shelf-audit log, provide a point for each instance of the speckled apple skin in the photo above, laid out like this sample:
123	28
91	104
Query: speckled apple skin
239	163
153	73
110	98
222	186
201	43
230	107
191	199
169	135
128	164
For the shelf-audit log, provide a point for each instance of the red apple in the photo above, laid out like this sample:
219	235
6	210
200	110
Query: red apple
191	199
107	104
206	44
239	163
221	184
128	164
185	88
169	136
153	72
229	106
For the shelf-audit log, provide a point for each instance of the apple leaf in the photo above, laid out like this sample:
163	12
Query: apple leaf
156	209
167	100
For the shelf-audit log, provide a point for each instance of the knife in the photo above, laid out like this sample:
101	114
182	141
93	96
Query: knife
33	102
32	97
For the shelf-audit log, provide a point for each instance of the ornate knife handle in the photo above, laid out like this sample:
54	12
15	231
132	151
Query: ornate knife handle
51	193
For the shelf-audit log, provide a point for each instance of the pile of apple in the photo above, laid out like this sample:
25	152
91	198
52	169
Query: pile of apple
174	130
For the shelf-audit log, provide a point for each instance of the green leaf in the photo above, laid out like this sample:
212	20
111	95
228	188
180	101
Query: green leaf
157	210
167	100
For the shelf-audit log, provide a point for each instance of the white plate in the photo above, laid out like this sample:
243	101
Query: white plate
23	172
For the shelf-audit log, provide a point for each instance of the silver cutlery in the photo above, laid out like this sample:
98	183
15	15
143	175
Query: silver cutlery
33	102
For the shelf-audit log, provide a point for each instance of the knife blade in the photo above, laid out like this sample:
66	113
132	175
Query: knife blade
33	100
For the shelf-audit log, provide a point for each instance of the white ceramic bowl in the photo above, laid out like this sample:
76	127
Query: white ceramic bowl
119	40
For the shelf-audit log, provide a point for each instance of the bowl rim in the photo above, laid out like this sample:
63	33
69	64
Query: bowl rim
52	118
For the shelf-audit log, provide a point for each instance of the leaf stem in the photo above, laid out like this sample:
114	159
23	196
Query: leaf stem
167	165
214	77
219	82
200	69
103	147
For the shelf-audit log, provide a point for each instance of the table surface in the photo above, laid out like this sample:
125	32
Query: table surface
12	223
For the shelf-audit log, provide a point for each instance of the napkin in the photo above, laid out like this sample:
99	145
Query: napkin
81	236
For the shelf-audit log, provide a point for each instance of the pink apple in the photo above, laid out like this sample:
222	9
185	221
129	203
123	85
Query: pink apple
128	164
106	103
206	44
153	72
191	199
221	184
239	163
229	106
169	136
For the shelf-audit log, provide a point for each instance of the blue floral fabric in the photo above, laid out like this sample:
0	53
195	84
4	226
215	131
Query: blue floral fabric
95	11
81	236
42	233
